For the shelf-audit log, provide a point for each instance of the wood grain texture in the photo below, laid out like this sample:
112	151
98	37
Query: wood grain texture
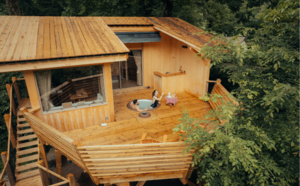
129	128
24	38
167	56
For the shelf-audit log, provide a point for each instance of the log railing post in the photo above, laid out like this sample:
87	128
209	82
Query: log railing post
14	82
8	169
13	140
71	179
43	174
8	87
218	81
58	162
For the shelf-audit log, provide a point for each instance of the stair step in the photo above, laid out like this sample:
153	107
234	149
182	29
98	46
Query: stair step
27	151
26	166
27	174
22	138
24	131
21	119
23	125
27	158
27	144
31	181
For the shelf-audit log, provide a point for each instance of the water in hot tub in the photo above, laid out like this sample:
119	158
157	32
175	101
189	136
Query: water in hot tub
145	103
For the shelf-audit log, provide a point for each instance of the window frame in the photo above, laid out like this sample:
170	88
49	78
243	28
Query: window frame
73	107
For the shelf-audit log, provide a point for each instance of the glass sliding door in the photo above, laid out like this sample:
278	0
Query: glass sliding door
128	73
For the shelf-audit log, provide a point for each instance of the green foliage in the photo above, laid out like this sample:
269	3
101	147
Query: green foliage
260	144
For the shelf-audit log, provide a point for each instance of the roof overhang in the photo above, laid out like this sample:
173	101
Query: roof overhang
61	63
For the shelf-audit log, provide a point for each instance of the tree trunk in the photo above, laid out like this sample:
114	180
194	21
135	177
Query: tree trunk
168	8
13	7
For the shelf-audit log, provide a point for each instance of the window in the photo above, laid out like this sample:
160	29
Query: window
71	87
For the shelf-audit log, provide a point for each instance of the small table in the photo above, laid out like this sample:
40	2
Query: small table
171	100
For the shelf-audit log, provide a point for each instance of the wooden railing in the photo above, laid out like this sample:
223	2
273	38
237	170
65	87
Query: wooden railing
118	163
55	138
44	176
9	129
136	162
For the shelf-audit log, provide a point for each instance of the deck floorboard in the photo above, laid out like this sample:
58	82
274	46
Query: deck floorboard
129	127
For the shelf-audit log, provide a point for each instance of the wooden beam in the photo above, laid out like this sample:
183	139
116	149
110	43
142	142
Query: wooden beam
8	168
123	184
141	183
8	87
109	90
71	179
133	29
43	174
43	155
169	34
13	139
32	89
62	63
183	181
58	162
17	92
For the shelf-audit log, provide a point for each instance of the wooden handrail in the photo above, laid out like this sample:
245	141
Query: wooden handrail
9	133
53	173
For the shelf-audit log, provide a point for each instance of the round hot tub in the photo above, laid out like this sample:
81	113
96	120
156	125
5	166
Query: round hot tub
143	104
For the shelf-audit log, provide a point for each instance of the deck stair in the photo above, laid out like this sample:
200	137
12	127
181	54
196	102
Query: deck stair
27	153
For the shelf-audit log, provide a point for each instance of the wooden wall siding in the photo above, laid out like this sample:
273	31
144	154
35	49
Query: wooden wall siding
34	38
76	118
167	84
135	161
167	56
181	30
131	21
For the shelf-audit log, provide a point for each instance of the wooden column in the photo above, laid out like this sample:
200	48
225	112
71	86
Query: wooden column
8	168
8	87
126	70
43	174
43	155
13	140
58	162
17	92
109	90
141	183
71	179
123	184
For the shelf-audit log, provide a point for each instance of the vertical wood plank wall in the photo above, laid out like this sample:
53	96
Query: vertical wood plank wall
76	118
167	56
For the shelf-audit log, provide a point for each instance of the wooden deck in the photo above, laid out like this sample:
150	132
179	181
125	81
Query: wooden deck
129	127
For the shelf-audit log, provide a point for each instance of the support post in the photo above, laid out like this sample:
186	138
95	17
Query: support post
13	140
141	183
8	87
2	183
123	184
8	168
14	81
126	70
58	161
43	155
43	174
71	179
218	81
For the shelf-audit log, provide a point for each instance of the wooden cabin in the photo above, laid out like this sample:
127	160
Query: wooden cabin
80	75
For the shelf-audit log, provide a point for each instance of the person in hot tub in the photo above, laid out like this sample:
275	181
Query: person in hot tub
135	105
155	99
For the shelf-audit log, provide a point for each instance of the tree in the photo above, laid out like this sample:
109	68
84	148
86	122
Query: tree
259	143
13	7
